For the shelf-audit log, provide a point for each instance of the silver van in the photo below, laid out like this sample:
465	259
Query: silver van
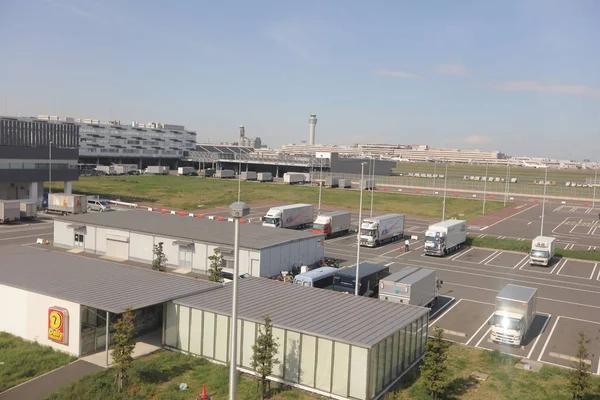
98	205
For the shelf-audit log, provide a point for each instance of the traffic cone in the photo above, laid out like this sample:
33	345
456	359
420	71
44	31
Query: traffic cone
203	396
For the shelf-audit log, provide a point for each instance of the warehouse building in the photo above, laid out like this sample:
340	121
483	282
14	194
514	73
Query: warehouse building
330	343
64	301
188	242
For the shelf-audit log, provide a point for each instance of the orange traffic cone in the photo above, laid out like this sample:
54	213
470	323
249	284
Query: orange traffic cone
203	396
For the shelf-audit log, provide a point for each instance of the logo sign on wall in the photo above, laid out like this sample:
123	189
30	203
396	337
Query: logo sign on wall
58	325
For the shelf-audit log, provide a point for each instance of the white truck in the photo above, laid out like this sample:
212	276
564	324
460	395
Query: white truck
445	237
248	176
125	169
515	312
292	178
224	174
542	250
411	285
28	209
331	224
381	229
332	181
67	203
294	216
264	177
184	170
107	169
157	170
10	211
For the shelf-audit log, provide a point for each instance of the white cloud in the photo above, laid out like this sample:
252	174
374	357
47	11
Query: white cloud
478	139
538	87
452	69
396	74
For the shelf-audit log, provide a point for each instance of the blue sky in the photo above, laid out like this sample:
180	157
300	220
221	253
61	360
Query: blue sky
518	76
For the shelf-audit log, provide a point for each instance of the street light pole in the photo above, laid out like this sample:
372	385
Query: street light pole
362	172
445	181
434	174
506	184
320	185
50	168
485	188
594	190
240	174
372	184
237	210
544	202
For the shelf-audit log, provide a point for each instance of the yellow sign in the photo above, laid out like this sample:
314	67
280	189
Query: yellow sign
58	326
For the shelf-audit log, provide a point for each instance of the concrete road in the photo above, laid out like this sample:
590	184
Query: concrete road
26	232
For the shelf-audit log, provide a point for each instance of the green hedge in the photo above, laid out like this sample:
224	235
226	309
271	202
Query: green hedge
525	247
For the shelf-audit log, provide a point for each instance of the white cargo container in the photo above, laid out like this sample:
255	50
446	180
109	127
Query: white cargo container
157	170
185	170
381	229
411	285
445	237
107	169
67	203
335	223
248	175
514	315
294	216
368	183
292	178
264	177
345	183
124	169
28	209
224	174
542	250
332	181
10	211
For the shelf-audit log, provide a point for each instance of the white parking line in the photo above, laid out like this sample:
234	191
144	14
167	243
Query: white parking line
490	257
560	269
548	339
483	337
480	328
575	226
539	335
446	312
519	263
592	275
432	316
509	217
461	253
28	236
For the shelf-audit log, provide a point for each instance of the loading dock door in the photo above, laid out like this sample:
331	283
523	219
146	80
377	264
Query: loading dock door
185	258
117	249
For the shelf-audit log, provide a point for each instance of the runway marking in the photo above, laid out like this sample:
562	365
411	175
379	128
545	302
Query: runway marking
480	328
539	335
512	216
492	257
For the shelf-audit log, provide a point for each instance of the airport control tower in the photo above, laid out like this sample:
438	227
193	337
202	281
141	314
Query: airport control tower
312	121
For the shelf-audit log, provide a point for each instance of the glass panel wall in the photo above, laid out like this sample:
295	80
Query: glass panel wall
407	334
389	344
341	364
373	370
381	365
308	360
424	333
324	359
359	359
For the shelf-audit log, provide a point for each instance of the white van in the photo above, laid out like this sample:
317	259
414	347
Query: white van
542	250
98	205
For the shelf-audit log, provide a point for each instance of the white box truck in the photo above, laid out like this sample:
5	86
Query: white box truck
185	170
67	203
411	285
292	178
515	312
248	175
224	174
264	177
445	237
381	229
157	170
294	216
331	224
28	209
542	250
107	169
10	211
125	169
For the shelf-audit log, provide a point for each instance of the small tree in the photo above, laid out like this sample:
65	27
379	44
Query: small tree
123	346
434	370
263	355
215	267
160	260
580	383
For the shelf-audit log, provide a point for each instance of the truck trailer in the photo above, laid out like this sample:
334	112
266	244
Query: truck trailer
292	178
248	175
381	229
294	216
125	169
264	177
542	250
332	181
344	183
107	169
10	211
332	224
185	170
369	275
67	203
514	315
157	170
28	209
224	174
411	285
445	237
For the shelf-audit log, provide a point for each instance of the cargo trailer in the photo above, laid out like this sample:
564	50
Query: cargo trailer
444	237
411	285
249	175
224	174
107	169
185	170
345	183
157	170
125	169
294	216
381	229
332	224
368	183
28	209
10	211
332	181
264	177
67	203
292	178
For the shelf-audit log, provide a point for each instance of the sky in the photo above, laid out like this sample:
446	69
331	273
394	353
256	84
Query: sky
517	76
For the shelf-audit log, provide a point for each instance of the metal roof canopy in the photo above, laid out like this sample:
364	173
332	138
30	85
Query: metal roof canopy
95	283
337	316
252	236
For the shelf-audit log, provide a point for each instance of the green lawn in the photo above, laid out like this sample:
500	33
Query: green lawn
158	377
24	360
187	193
505	381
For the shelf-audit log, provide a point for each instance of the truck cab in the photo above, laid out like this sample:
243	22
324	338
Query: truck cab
273	219
542	250
369	234
322	225
514	315
435	243
507	328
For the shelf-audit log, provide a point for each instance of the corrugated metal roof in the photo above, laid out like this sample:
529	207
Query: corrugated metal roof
252	236
351	319
91	282
365	269
409	275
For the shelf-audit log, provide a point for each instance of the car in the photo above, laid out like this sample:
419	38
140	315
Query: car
98	205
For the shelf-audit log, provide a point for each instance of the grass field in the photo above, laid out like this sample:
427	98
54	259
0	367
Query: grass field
188	193
24	360
505	382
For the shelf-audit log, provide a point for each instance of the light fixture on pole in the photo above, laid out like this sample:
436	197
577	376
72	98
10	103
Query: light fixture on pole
320	184
362	172
485	188
445	181
50	168
544	202
237	211
372	184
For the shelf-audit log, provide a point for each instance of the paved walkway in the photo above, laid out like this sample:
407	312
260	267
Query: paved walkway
39	388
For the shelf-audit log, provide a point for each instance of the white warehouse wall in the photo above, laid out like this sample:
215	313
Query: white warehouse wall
28	317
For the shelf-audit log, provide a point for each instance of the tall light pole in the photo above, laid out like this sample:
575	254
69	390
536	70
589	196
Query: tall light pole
240	174
434	174
372	184
445	181
507	182
237	210
544	203
594	190
320	185
357	282
485	188
50	168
